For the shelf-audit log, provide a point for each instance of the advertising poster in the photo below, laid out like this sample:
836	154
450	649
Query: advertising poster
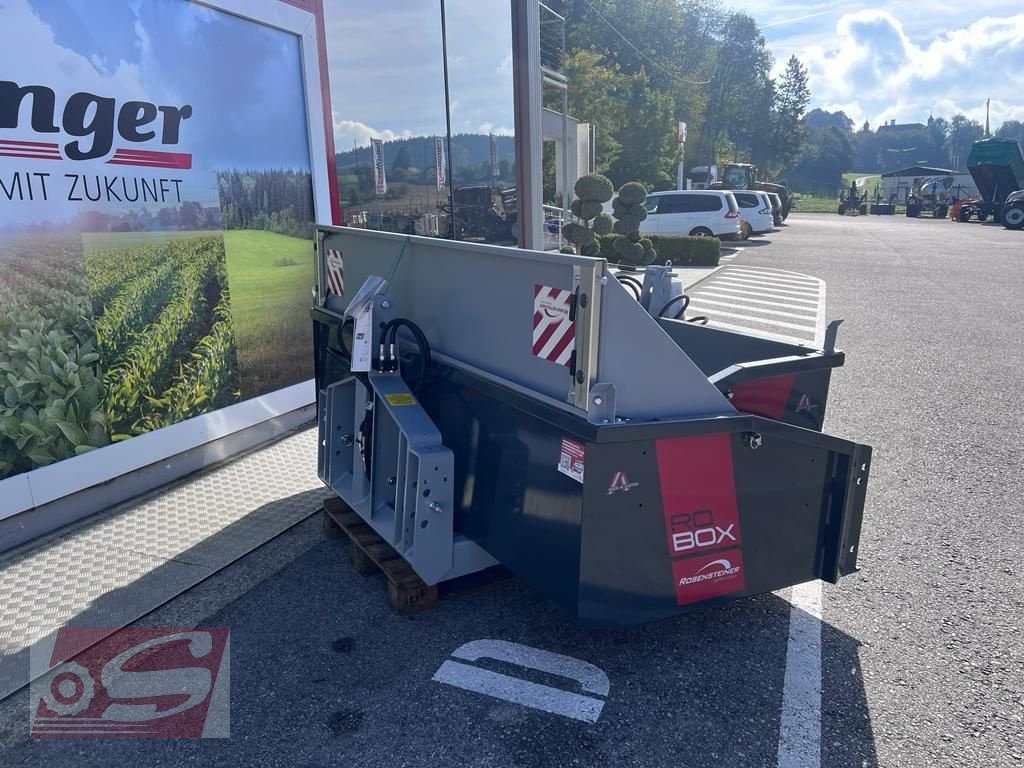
156	219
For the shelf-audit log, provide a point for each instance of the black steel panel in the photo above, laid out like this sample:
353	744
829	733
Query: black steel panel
510	497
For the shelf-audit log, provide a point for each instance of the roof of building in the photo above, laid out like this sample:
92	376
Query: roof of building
894	126
920	170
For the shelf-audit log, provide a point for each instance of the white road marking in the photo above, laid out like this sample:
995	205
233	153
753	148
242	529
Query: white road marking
705	300
745	292
776	278
809	306
800	725
759	332
543	697
810	329
748	282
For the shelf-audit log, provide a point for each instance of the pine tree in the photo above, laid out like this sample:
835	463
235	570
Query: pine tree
792	95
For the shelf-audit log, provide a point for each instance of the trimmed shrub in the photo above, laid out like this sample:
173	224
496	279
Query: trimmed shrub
681	251
592	191
629	210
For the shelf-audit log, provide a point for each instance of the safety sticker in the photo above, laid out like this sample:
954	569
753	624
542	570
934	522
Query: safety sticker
400	398
554	333
335	272
570	461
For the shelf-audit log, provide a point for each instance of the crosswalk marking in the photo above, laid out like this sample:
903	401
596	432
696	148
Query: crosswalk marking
704	300
745	283
704	310
722	293
796	283
774	303
733	292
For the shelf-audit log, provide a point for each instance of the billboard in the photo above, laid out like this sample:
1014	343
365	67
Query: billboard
156	219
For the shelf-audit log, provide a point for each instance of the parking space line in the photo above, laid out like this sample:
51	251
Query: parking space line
746	292
800	724
752	283
808	282
705	300
805	306
765	320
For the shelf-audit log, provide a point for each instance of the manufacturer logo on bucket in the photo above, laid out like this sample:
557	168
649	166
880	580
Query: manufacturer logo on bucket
705	576
620	483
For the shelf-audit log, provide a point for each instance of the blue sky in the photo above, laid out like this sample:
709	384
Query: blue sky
902	59
242	80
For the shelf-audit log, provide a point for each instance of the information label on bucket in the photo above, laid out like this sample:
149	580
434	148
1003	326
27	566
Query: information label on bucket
570	461
362	339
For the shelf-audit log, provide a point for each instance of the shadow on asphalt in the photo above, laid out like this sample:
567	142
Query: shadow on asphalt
323	673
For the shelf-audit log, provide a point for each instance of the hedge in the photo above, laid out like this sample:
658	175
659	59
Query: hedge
680	250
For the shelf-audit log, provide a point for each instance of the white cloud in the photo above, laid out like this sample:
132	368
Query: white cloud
348	131
873	69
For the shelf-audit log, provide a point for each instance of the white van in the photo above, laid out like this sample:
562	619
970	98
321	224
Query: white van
756	210
700	213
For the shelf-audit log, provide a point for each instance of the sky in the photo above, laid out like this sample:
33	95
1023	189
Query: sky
169	53
902	60
387	70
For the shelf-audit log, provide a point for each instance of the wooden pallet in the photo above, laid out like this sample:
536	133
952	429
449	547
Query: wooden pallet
407	592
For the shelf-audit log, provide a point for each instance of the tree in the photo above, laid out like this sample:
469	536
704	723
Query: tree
963	132
403	159
1012	129
649	151
793	95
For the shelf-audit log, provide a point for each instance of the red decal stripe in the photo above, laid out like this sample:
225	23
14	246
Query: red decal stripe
145	157
33	155
766	397
37	144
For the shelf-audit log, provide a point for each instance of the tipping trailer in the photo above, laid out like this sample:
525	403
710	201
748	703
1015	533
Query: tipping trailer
997	167
480	405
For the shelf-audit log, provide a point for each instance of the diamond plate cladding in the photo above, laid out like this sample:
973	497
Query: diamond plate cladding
118	565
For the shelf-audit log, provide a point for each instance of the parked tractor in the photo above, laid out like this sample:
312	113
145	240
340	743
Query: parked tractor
997	167
852	202
737	176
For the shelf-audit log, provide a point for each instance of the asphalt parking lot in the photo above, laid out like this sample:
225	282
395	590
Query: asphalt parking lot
922	652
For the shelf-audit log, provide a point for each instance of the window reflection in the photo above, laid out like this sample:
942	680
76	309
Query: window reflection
390	127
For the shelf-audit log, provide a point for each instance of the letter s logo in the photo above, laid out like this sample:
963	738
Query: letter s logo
195	682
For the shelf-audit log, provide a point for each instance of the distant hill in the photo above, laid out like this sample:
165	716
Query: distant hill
468	149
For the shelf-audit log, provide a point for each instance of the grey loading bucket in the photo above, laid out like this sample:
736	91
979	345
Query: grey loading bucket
657	467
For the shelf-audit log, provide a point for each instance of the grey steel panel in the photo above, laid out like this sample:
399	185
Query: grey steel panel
653	377
474	302
118	565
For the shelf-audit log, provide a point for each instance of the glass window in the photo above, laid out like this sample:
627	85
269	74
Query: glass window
746	199
676	203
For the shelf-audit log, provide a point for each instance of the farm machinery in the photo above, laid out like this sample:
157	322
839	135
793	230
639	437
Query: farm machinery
738	176
852	202
997	167
483	214
482	405
929	197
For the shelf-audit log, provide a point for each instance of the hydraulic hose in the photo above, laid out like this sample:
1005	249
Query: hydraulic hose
389	337
635	285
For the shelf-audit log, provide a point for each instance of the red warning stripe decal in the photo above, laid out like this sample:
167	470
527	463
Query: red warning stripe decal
554	334
335	272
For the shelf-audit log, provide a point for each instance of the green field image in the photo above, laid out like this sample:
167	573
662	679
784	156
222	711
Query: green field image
106	336
270	277
163	327
51	380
